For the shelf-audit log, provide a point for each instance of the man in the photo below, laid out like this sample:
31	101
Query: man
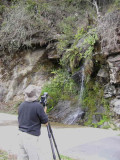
30	117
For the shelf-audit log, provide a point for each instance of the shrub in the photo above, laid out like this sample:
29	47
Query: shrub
21	22
67	29
60	87
93	97
82	47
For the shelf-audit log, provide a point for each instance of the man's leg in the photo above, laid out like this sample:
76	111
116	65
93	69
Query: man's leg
22	154
31	146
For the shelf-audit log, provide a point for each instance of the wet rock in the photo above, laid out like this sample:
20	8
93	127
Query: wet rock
88	65
77	76
66	113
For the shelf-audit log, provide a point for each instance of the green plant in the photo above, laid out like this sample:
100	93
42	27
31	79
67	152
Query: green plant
60	87
3	155
17	104
82	47
80	33
93	97
2	8
21	21
105	118
66	27
65	158
117	3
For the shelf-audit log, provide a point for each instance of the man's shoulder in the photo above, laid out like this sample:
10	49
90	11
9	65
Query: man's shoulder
37	103
34	103
21	103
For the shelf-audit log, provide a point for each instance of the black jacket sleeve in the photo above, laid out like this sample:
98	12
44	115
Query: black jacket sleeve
42	115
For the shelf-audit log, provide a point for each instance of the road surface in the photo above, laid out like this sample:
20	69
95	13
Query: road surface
79	143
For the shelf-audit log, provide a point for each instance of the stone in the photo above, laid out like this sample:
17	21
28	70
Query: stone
112	126
22	73
53	55
94	120
109	30
117	123
105	124
115	103
102	73
77	76
88	65
67	113
114	65
3	91
109	90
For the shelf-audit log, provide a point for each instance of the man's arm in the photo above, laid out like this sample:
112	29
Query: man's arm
45	110
42	114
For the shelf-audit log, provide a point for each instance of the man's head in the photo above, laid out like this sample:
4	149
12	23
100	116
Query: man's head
32	93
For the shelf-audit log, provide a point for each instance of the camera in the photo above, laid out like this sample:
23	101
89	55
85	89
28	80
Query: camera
43	100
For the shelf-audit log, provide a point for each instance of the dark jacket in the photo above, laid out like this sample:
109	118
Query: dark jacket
30	117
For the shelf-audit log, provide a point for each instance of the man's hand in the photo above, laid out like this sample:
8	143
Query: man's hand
45	109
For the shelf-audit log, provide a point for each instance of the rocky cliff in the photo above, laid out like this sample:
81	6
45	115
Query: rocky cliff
109	29
33	64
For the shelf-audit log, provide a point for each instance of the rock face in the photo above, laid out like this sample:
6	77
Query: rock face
67	113
29	68
109	29
116	106
109	91
114	64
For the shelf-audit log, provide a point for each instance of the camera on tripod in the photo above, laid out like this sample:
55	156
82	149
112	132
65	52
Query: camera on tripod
43	100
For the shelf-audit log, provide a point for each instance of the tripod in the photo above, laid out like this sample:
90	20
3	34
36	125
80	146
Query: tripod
52	139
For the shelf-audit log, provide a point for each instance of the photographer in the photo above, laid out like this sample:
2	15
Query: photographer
30	117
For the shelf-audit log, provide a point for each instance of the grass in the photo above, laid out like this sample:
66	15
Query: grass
5	156
65	158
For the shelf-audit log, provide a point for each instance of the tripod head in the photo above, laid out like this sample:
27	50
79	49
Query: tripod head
43	100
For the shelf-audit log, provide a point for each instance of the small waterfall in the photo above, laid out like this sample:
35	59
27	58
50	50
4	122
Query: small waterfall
77	113
82	86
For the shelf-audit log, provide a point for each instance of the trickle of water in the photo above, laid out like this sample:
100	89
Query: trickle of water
82	85
77	113
74	116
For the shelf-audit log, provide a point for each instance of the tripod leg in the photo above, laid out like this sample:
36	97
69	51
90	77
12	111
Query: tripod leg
50	138
54	141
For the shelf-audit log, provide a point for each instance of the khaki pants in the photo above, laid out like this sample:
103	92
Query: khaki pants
28	147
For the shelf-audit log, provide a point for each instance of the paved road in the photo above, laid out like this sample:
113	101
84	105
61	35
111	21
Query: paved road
75	142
